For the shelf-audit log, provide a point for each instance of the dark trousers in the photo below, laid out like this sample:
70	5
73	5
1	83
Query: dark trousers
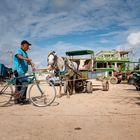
21	85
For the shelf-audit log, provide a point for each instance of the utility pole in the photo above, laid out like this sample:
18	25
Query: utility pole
11	57
139	64
132	58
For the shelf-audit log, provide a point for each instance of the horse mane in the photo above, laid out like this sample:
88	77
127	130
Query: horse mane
60	63
72	65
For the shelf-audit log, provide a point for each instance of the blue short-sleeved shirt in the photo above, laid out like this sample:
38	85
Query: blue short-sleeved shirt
20	65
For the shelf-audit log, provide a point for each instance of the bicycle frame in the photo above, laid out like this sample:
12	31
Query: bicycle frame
30	80
12	81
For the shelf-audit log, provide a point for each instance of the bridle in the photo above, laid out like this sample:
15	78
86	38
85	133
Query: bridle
54	64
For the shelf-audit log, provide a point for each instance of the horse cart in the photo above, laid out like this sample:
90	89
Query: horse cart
77	73
86	79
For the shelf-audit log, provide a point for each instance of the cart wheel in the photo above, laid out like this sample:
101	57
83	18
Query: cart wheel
105	85
65	87
113	80
89	87
79	86
138	88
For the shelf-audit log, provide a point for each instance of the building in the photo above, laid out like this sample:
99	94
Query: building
112	61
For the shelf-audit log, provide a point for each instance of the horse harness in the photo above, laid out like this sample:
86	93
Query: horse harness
55	66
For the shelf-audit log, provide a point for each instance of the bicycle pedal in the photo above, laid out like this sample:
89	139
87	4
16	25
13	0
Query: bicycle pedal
37	81
16	94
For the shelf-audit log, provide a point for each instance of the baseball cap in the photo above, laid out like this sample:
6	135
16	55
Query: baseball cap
25	42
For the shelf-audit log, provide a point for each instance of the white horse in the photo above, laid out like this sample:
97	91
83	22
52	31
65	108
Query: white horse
67	70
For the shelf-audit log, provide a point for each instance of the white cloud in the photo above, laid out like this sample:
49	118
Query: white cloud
132	43
134	38
39	19
104	41
123	47
48	18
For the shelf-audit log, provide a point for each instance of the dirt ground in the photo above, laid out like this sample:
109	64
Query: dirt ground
111	115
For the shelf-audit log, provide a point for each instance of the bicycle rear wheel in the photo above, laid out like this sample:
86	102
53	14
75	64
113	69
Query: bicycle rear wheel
42	93
6	93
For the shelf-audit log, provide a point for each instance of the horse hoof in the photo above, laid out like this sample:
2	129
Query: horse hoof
68	96
58	96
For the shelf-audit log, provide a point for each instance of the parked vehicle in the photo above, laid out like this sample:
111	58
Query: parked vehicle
134	79
119	76
55	81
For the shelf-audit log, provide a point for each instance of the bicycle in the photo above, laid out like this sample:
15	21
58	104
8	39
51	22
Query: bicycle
41	92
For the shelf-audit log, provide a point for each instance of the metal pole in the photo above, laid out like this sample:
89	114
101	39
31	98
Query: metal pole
11	57
139	64
133	57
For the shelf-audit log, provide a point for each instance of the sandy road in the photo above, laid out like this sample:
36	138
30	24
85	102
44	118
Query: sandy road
112	115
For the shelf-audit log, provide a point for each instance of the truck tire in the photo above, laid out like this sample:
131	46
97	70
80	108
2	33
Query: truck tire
113	80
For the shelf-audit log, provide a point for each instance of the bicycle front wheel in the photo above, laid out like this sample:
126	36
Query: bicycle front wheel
42	93
6	93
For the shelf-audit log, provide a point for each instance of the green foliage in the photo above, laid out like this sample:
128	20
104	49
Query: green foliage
122	67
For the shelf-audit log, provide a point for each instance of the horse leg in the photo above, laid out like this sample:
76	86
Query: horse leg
68	87
59	93
74	78
71	86
60	88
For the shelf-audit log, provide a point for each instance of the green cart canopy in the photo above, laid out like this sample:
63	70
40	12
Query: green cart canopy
80	52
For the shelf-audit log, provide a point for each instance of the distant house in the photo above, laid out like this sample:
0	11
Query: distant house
112	61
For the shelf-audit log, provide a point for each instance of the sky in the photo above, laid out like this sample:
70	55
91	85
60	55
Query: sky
66	25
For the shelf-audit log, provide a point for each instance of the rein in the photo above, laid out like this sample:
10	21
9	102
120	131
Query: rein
54	64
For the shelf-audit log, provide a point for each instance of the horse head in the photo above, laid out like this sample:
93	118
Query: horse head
52	60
